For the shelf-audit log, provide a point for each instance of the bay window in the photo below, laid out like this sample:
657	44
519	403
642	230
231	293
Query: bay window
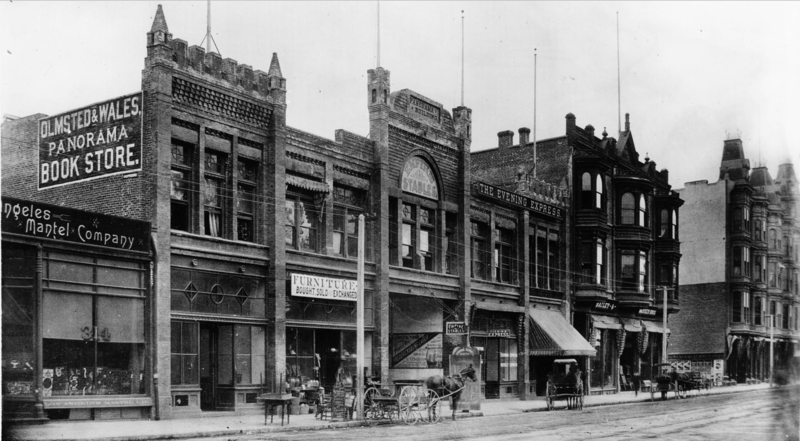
591	191
593	261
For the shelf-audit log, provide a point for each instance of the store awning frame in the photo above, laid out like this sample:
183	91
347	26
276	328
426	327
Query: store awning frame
307	184
605	322
552	335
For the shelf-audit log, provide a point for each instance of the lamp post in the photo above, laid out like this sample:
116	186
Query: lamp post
664	330
360	321
771	319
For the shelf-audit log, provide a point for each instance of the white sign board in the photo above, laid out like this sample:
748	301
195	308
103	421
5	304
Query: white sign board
315	287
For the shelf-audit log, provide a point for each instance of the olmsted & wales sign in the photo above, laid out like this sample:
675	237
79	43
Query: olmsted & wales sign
304	285
517	199
92	142
46	221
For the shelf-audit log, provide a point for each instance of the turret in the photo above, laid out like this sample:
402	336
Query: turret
378	87
275	81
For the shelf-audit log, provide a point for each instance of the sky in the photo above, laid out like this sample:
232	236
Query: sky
691	74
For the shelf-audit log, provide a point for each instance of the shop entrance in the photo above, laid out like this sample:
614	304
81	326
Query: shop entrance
215	349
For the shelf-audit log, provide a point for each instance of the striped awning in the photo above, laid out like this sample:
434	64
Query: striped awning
552	335
307	184
605	322
631	325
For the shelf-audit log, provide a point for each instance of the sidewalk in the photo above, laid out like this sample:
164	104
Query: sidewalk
254	424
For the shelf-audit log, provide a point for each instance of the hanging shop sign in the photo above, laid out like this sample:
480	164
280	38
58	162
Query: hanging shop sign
304	285
503	333
46	221
605	306
418	178
92	142
455	328
648	312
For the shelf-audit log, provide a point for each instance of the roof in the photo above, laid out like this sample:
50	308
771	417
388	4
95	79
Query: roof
500	166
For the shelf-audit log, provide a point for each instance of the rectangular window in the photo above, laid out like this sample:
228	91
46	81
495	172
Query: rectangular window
541	258
349	204
408	235
213	193
508	360
746	307
746	218
628	270
553	260
183	349
773	279
737	308
394	240
302	223
737	219
758	311
427	242
181	186
247	172
758	268
19	296
503	255
643	273
737	261
451	244
786	317
478	253
600	263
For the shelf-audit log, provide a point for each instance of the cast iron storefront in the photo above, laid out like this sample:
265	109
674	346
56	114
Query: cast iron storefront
76	302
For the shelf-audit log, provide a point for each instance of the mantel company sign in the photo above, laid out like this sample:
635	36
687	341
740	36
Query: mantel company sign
315	287
418	178
92	142
53	222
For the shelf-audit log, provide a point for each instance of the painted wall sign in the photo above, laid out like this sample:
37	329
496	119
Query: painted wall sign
455	328
423	108
504	333
605	306
517	200
56	403
416	351
46	221
418	178
648	312
315	287
91	142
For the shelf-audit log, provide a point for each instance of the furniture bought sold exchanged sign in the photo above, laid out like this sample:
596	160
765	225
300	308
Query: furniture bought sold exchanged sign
304	285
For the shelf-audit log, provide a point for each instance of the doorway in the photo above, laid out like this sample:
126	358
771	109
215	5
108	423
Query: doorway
215	362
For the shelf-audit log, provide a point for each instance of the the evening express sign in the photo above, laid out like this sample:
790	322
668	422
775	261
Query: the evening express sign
517	199
418	178
95	141
53	222
304	285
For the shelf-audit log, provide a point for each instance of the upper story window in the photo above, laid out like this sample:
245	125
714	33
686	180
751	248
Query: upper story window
503	255
634	271
633	209
418	237
741	261
668	274
545	266
181	186
303	219
642	211
773	239
773	275
478	255
737	219
668	222
757	230
348	205
593	261
591	190
741	307
759	268
246	175
758	311
786	246
786	316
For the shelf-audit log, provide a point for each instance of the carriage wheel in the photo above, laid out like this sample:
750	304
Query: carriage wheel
434	407
408	402
372	411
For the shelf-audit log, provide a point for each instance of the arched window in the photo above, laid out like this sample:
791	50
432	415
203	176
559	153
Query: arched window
628	211
598	203
586	190
664	222
374	95
675	224
642	211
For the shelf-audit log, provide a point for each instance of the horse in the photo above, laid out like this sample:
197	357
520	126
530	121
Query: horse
451	385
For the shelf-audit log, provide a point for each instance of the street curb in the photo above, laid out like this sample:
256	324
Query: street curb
614	403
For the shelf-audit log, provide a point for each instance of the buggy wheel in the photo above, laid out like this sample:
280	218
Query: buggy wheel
408	403
434	407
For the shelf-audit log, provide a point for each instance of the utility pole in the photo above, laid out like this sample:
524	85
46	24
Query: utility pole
664	333
360	321
771	343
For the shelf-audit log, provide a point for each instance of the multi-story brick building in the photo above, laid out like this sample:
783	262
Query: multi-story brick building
624	248
739	267
246	277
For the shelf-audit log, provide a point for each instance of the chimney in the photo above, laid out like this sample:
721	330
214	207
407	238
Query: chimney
627	122
570	122
590	130
505	139
524	136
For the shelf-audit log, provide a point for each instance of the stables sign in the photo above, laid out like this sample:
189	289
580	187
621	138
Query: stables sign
92	142
45	221
418	178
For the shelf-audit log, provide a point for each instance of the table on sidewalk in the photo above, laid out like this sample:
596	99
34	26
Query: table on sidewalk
269	407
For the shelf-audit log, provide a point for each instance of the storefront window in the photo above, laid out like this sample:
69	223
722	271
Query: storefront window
93	325
18	273
183	348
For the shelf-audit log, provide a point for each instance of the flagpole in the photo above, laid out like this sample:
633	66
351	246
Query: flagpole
462	58
619	99
534	113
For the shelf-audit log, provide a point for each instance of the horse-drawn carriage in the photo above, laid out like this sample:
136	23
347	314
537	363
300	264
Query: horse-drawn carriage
680	383
565	383
416	402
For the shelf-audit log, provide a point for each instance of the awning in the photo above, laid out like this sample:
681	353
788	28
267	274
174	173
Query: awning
552	335
631	325
605	322
655	327
307	184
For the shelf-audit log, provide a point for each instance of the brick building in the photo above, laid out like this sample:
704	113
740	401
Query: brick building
622	250
740	265
247	276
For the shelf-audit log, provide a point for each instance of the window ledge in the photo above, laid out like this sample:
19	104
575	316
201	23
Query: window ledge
204	237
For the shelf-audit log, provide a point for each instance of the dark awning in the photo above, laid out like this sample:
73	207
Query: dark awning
307	184
552	335
605	322
631	325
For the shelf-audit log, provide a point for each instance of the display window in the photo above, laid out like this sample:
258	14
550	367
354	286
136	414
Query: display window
18	271
93	325
316	356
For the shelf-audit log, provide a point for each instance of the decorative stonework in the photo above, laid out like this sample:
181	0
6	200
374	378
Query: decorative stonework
193	94
420	141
